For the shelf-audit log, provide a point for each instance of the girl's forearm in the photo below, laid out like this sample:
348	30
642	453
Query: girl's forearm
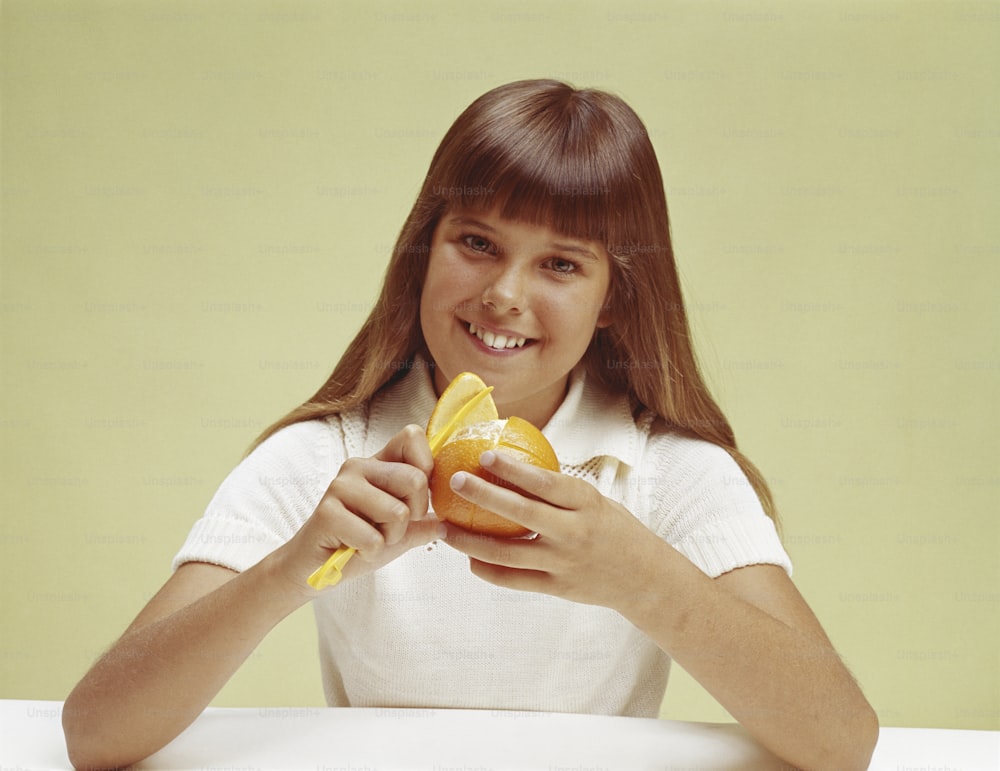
786	686
157	678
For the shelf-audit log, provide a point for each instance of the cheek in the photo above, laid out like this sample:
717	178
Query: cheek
572	320
446	288
574	312
436	285
451	282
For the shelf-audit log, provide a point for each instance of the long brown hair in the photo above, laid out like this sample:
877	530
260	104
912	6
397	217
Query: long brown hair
579	161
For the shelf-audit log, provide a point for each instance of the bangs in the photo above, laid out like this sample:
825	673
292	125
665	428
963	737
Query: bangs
554	161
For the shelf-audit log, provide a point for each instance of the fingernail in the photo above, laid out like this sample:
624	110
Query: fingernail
441	532
487	458
457	480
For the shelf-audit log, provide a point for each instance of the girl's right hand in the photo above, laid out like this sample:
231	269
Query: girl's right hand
378	505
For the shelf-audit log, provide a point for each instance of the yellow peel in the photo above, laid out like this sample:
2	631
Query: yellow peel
479	409
464	401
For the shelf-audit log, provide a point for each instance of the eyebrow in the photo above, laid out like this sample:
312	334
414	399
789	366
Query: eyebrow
559	246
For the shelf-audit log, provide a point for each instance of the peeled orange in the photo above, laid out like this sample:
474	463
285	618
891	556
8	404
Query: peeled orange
463	426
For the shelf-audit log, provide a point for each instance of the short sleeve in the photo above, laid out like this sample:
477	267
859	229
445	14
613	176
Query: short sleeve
704	505
264	501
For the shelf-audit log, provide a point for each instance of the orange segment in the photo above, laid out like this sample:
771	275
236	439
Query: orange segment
466	401
520	436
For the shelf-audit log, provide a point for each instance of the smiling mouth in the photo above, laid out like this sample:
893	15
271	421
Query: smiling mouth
497	342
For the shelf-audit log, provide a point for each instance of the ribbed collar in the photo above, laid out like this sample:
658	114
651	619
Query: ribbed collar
590	422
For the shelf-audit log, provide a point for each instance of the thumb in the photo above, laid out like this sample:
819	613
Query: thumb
418	533
423	532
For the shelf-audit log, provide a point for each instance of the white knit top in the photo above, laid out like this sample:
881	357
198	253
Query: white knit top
423	631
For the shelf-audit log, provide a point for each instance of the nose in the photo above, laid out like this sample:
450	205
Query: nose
505	291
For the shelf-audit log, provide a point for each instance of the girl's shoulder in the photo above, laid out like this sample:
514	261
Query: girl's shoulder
700	499
675	453
303	447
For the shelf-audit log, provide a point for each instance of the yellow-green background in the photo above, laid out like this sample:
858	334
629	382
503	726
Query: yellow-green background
199	199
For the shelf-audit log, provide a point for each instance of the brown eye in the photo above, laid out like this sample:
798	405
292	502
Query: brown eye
477	243
560	265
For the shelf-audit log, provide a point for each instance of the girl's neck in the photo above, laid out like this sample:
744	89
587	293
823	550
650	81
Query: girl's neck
538	409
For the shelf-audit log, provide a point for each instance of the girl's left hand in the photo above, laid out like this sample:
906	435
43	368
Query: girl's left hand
588	548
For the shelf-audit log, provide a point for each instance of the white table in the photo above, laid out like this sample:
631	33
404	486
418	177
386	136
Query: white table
357	739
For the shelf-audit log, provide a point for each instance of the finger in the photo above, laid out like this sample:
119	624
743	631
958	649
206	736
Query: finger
511	578
418	534
409	449
347	529
501	499
373	489
383	491
553	487
377	507
506	552
409	446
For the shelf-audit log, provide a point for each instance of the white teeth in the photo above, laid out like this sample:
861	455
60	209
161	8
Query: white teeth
497	342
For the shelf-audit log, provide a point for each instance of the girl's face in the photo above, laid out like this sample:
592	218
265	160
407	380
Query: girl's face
515	303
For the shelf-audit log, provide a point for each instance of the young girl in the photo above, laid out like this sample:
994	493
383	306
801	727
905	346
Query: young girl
537	255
